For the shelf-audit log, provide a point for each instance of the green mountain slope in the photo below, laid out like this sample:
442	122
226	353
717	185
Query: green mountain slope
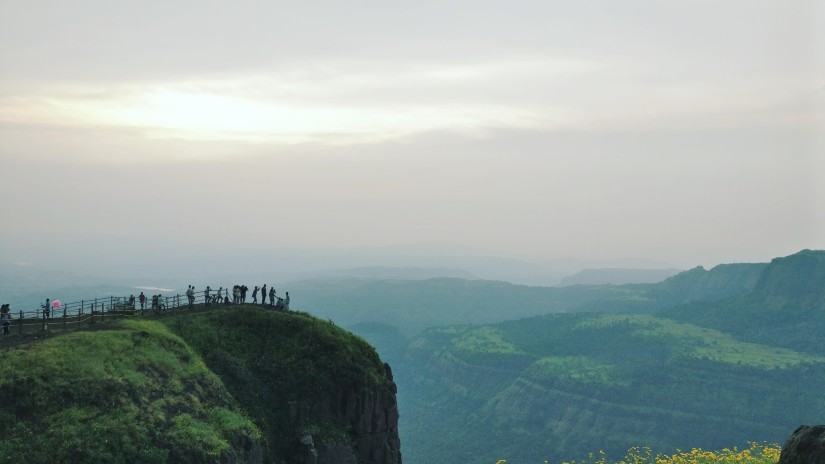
786	306
560	386
229	384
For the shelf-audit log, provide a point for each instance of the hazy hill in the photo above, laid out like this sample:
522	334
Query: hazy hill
618	276
698	284
231	384
412	305
786	306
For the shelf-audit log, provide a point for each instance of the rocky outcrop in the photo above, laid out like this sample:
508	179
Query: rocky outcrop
319	394
368	420
805	446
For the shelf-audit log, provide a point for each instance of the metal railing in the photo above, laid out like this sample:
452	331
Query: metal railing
71	316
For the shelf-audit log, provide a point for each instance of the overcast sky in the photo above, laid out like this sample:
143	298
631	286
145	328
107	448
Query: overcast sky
686	132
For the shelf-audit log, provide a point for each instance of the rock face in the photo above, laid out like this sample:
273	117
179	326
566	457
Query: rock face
318	393
805	446
372	416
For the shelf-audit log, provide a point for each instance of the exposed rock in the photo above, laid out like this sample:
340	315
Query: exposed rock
805	446
371	416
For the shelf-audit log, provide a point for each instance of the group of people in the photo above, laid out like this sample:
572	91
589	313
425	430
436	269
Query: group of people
238	296
156	301
282	303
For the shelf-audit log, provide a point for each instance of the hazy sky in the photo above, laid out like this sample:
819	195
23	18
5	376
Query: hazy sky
687	132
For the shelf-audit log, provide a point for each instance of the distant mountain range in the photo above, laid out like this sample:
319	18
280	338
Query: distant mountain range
707	358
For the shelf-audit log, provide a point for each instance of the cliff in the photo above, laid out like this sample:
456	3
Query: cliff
230	384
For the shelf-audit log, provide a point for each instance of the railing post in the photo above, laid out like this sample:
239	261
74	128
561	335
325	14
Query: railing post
64	318
21	322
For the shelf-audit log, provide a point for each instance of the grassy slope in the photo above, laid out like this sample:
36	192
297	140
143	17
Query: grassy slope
130	393
197	386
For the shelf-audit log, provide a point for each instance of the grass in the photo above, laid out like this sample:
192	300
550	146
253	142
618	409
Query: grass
134	392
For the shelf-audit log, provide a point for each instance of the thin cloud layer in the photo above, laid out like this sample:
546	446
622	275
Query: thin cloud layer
687	132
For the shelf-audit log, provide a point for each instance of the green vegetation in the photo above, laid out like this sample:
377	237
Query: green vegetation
222	385
130	393
283	368
756	453
708	358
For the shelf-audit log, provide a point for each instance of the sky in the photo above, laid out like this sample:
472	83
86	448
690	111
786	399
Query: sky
683	132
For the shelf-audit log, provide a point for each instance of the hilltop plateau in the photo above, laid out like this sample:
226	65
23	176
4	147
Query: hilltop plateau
230	384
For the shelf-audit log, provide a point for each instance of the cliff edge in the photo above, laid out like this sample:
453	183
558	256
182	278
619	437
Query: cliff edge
229	384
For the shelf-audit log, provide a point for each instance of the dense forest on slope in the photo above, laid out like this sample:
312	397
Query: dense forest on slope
573	383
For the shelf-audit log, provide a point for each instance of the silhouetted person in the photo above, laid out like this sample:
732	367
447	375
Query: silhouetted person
206	294
46	308
142	299
272	295
5	318
263	295
286	301
255	295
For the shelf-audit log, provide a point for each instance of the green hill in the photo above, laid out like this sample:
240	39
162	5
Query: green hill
704	359
559	386
785	308
235	384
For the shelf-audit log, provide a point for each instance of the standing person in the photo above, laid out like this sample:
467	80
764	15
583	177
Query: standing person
142	299
236	294
206	295
244	289
263	295
255	295
132	302
46	308
286	302
190	295
272	295
5	318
